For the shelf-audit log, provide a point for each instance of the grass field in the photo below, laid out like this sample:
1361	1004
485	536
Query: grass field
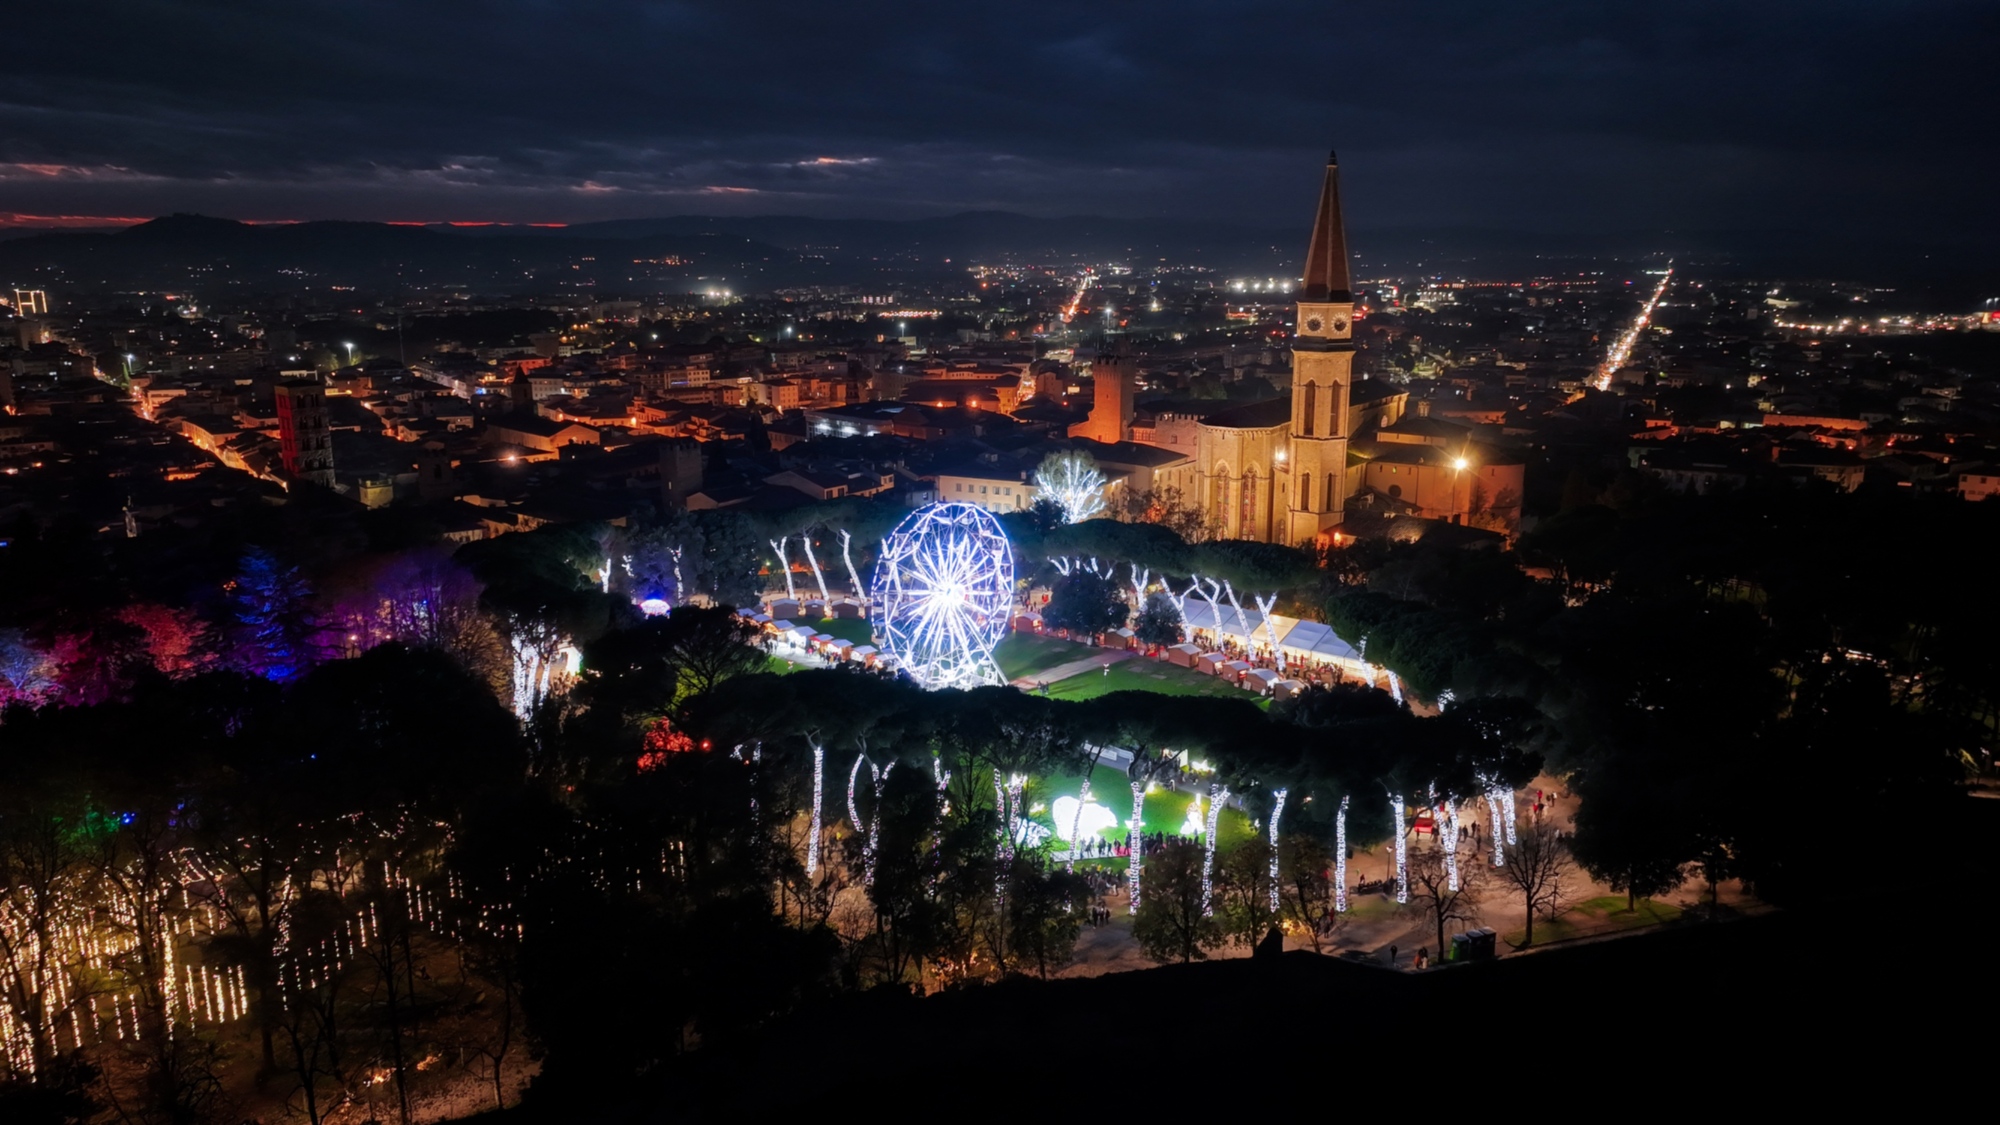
1166	810
1599	916
1025	655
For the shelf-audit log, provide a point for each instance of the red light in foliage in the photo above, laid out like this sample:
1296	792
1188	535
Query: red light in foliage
662	740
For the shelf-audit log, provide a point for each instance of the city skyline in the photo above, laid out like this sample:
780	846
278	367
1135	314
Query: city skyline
1558	119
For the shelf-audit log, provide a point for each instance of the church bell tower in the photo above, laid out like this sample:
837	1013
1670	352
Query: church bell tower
1322	370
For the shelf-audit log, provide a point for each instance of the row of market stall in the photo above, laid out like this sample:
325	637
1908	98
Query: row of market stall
807	640
1268	653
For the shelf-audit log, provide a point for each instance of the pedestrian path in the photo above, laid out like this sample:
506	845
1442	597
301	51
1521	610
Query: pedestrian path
1103	658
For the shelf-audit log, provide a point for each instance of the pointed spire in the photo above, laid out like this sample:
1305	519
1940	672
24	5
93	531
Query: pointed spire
1326	277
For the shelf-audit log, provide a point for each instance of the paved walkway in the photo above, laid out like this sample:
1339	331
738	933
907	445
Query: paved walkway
1103	658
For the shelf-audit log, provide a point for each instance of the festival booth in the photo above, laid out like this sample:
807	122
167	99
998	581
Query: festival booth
1184	655
1260	680
1312	642
778	627
820	641
784	607
760	620
866	654
1210	663
814	610
1285	689
1121	638
837	648
802	635
1027	621
847	607
1220	622
1235	670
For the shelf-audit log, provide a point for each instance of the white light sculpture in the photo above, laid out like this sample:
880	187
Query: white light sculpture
1195	823
945	584
1277	810
654	607
1085	819
1507	805
1340	859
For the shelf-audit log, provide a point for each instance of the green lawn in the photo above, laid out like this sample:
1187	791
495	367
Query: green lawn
1024	654
1142	674
1600	916
855	629
1166	810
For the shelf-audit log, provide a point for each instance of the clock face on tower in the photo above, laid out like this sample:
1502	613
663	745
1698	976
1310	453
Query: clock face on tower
1339	324
1314	324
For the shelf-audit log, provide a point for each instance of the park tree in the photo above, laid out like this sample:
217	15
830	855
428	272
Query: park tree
1084	603
1072	479
1243	889
1539	870
276	635
1159	621
1044	913
1172	924
1443	899
1305	889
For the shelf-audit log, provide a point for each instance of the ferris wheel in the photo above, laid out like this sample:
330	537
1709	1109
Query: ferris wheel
943	588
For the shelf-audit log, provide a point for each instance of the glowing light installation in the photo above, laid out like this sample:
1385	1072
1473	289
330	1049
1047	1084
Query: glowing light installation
1340	859
1451	843
1507	806
1139	580
785	565
945	583
1216	796
1277	810
1135	840
1271	630
847	556
819	790
1402	848
818	574
1493	812
1073	482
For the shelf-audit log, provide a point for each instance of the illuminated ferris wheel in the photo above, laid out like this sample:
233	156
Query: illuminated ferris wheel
943	588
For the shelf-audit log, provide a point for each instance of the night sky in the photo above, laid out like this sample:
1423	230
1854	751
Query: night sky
1554	117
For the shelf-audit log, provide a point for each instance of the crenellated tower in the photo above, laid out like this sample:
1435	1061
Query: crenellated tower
1322	371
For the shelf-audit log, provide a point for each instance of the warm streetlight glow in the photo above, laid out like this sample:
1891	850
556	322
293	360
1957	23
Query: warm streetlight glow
1459	464
350	354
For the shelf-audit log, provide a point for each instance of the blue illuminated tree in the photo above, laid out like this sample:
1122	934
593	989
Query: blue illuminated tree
275	631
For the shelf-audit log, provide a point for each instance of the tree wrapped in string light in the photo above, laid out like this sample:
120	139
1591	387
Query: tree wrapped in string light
1072	480
944	586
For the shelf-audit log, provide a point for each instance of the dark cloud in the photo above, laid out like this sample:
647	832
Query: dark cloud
1537	116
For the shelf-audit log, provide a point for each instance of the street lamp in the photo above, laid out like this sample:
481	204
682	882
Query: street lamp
350	354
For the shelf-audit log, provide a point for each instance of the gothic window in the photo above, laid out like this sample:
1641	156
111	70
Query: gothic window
1312	405
1330	494
1246	522
1305	492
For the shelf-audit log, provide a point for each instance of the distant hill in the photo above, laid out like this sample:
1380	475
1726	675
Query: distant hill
201	253
695	252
